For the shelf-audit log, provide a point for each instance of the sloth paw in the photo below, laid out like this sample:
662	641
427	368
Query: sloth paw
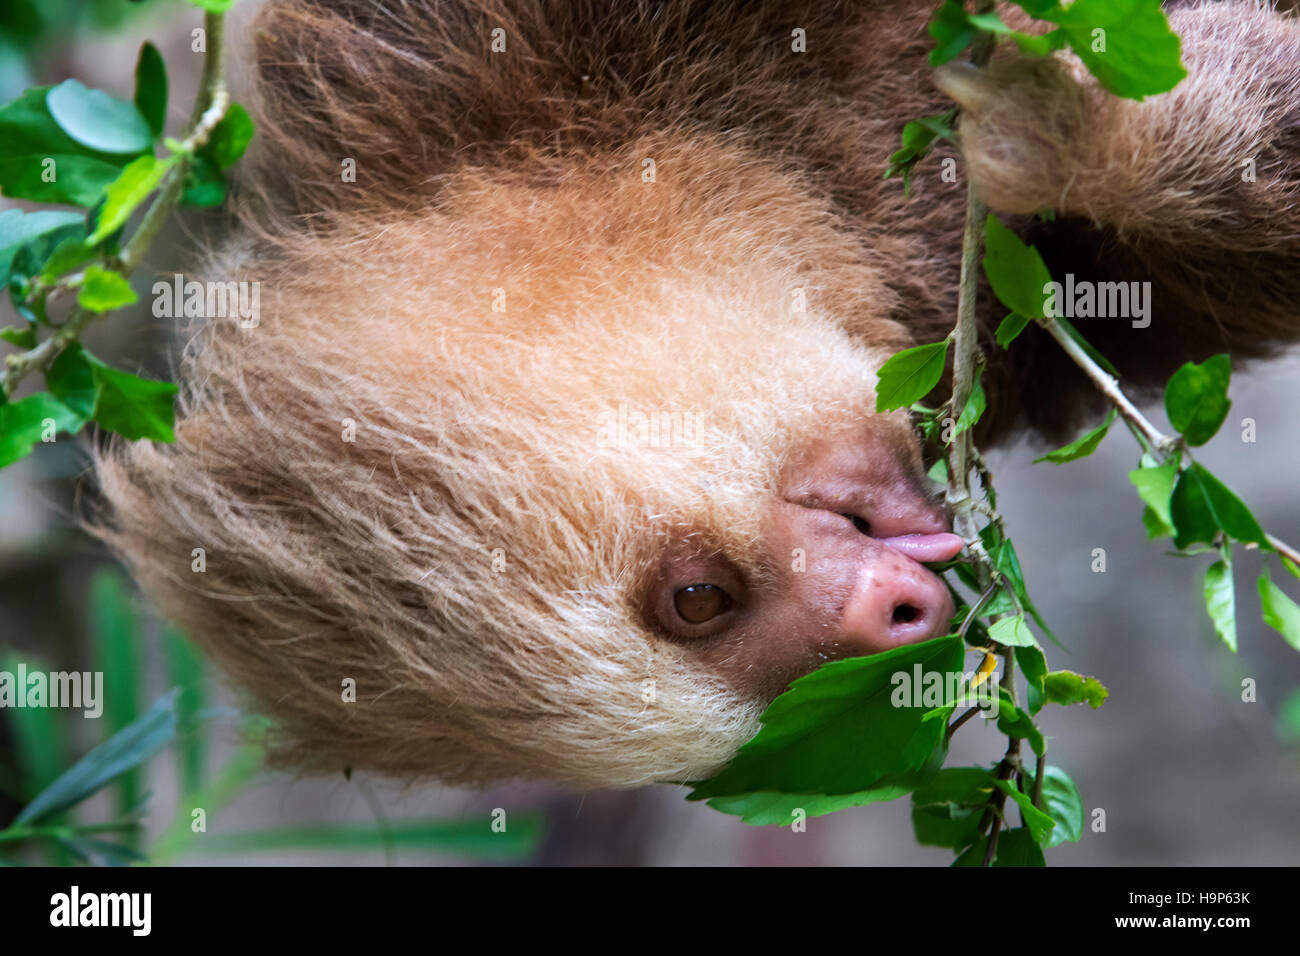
1024	124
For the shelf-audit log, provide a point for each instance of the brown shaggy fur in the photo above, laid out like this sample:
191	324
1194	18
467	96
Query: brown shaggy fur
476	429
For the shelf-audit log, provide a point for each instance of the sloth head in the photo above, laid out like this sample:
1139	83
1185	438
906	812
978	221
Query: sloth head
567	480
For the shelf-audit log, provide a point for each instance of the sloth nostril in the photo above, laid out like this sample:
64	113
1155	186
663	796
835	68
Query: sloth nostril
905	614
861	524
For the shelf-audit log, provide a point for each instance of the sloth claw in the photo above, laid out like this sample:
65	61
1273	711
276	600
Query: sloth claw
967	84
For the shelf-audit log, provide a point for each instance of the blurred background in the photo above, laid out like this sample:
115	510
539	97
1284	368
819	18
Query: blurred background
1186	772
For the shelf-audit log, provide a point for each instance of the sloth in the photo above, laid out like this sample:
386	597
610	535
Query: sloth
554	451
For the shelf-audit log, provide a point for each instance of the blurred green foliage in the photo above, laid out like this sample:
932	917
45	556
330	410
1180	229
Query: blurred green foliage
29	29
54	826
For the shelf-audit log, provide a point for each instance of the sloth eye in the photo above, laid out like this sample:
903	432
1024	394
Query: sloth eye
698	603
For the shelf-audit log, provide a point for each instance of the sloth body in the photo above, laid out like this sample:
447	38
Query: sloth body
430	468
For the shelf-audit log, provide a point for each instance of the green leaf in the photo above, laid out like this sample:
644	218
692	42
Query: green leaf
946	825
117	655
1030	44
1009	329
1081	447
1034	666
72	381
231	137
975	405
28	263
469	838
1288	718
1202	506
838	731
23	338
1012	632
213	6
1040	824
185	669
1155	527
1279	611
39	747
951	31
770	808
959	785
113	854
132	406
232	777
1136	56
42	163
128	191
103	291
947	810
151	88
204	184
1155	486
1290	565
129	747
23	424
1015	848
1038	9
1221	602
98	121
1062	803
1067	687
1005	559
1014	722
66	256
18	228
1084	344
1196	398
1015	270
918	136
910	375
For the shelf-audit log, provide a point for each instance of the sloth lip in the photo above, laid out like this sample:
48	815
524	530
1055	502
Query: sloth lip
926	548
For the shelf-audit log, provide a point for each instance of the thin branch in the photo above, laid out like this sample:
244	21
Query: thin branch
967	715
973	613
1281	547
1010	761
966	343
209	109
1108	385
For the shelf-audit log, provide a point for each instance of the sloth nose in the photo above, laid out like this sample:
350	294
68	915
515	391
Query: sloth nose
896	601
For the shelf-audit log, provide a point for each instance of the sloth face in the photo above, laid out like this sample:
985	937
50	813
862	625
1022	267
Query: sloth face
569	482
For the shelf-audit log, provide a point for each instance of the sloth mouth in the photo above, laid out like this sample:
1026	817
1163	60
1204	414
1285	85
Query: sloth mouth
927	548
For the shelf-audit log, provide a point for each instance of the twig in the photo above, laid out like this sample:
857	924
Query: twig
209	109
956	724
966	342
1108	385
1009	762
1162	444
973	613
